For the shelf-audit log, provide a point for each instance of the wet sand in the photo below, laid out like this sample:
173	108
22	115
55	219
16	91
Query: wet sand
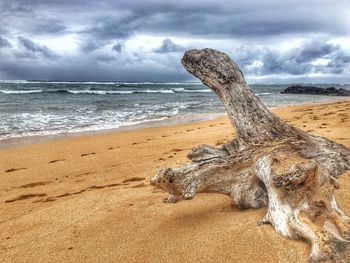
88	198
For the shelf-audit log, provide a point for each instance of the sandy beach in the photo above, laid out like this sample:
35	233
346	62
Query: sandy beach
88	198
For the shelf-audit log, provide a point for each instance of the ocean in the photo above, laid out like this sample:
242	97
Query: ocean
36	108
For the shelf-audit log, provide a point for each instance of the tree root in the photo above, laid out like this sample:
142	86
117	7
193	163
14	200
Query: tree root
270	163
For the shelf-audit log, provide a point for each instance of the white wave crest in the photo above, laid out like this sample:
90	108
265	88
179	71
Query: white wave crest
20	91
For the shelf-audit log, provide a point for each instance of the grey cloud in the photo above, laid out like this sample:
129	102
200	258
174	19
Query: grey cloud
248	19
122	18
118	47
315	49
99	68
339	61
30	46
105	59
30	17
296	61
4	42
48	26
112	27
168	46
98	24
91	45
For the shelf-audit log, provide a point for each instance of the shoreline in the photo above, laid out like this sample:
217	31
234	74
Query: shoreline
171	121
15	142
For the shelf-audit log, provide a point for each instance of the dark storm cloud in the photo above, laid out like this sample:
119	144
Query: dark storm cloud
97	24
168	46
99	68
30	46
219	19
122	19
205	24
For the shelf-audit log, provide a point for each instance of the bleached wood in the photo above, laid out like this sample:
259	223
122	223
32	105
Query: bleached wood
270	163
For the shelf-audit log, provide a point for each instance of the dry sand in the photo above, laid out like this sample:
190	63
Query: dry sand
88	199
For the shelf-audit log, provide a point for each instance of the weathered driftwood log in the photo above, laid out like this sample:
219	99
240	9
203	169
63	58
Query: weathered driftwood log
270	163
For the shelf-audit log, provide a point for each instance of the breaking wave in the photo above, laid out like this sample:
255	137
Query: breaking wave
105	92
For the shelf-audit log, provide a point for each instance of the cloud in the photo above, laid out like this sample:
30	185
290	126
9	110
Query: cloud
4	42
315	49
118	47
48	26
122	19
248	19
90	45
295	61
138	40
168	46
32	47
338	62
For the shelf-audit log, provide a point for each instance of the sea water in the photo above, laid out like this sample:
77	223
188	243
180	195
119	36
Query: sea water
35	108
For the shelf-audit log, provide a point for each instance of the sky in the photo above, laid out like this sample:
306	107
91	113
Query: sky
273	41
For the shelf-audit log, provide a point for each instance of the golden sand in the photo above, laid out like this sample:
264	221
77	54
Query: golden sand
88	198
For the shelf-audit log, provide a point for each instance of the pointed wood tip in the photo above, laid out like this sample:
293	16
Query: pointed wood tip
210	63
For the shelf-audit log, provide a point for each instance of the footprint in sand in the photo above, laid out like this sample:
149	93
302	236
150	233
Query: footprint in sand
80	180
24	197
49	199
30	185
14	169
112	148
176	150
59	160
138	185
133	179
87	173
98	187
53	198
87	154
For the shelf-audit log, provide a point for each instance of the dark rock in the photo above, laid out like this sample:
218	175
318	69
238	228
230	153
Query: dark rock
331	91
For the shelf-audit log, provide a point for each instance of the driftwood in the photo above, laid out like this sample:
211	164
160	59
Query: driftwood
269	163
